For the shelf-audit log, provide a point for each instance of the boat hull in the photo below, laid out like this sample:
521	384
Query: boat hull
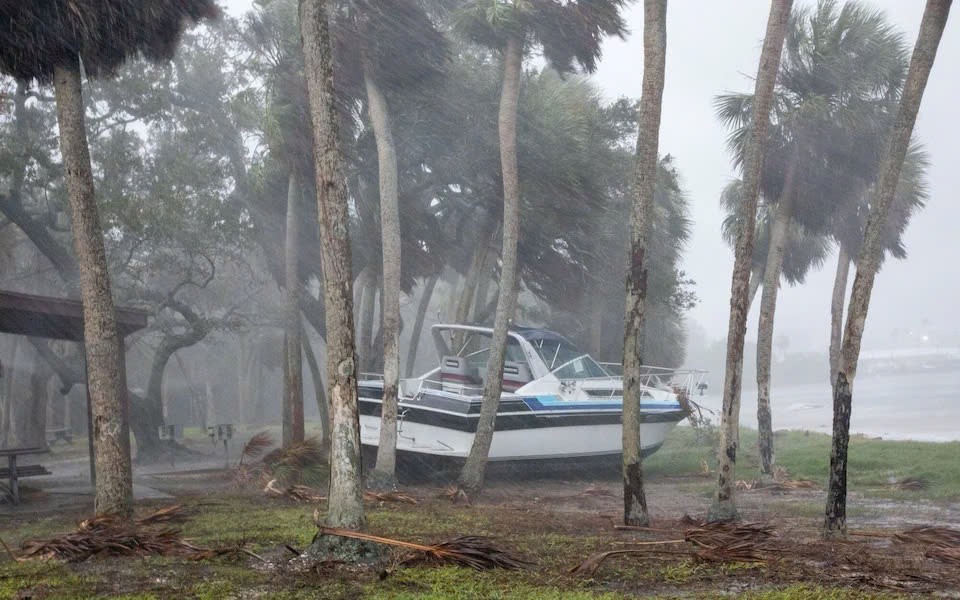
525	429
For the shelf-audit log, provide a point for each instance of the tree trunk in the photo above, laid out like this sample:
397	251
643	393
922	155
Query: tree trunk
641	217
368	299
768	306
318	391
924	52
105	374
836	311
755	280
345	503
425	297
724	504
471	478
293	430
384	472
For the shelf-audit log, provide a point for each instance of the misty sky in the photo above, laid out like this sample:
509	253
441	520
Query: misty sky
714	47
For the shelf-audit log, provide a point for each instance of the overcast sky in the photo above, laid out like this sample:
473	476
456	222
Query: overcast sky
714	47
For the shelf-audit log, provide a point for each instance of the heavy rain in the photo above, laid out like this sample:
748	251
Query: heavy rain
547	299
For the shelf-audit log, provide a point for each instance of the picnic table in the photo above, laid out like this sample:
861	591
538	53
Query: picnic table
14	472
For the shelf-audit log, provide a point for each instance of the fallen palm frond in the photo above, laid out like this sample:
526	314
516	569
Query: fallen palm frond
741	551
948	554
469	551
175	513
775	485
299	493
911	484
716	535
400	497
931	536
456	494
588	567
256	446
303	493
110	538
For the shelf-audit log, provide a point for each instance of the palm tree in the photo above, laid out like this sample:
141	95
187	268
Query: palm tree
568	32
49	41
842	66
345	508
374	33
804	250
641	217
724	507
928	40
848	232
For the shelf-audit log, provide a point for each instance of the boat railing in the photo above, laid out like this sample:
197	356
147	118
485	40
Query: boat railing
688	380
370	376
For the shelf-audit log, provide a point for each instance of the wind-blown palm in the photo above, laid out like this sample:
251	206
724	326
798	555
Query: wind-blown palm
841	73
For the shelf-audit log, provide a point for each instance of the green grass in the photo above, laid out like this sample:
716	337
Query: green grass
807	456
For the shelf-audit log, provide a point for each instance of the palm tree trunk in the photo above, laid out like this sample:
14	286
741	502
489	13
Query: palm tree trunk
836	311
293	428
425	297
105	370
318	390
924	52
724	504
641	217
768	307
345	504
471	478
384	474
367	311
755	280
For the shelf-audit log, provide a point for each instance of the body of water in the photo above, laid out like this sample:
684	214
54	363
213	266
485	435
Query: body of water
920	406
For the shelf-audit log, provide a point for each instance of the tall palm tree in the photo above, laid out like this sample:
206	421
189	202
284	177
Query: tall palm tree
567	32
641	217
841	68
925	51
345	508
724	506
848	232
372	33
49	41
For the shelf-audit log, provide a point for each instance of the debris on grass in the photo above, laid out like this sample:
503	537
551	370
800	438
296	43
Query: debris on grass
597	491
297	493
588	567
785	485
470	551
930	536
909	484
303	493
256	446
394	496
715	535
109	536
455	494
947	554
175	513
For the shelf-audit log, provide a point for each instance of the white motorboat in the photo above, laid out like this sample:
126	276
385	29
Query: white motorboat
557	402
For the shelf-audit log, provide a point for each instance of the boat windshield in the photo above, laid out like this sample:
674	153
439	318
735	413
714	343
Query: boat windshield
566	361
581	367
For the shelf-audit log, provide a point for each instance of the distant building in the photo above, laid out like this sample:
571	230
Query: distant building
922	358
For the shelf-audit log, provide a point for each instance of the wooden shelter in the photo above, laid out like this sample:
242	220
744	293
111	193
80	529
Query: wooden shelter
60	319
